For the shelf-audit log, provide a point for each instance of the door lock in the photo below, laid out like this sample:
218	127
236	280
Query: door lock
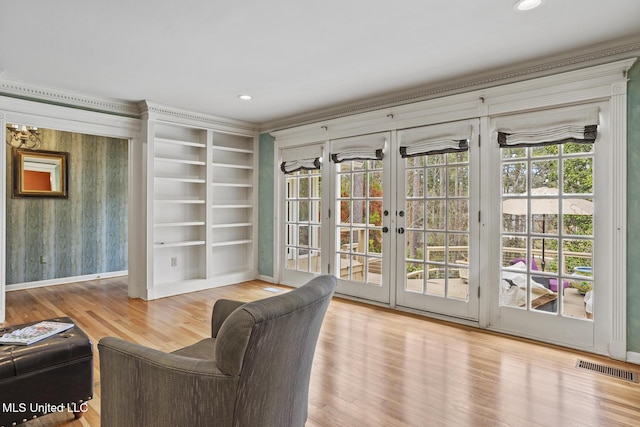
400	230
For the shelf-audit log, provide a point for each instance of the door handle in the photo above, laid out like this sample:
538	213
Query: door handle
385	229
400	230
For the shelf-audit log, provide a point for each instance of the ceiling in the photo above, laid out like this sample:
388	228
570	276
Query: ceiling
292	56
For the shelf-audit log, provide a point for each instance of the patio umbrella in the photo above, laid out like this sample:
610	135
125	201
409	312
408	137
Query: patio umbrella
541	205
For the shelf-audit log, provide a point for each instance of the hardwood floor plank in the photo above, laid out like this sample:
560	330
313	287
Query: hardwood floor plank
373	366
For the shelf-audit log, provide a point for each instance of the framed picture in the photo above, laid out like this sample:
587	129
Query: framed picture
39	173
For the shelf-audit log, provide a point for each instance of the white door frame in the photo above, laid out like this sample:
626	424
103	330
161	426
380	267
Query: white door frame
605	84
559	329
42	115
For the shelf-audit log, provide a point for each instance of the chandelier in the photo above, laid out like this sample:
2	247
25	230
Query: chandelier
20	136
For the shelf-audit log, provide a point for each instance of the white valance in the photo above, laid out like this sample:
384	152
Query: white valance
364	147
436	139
302	164
301	158
547	128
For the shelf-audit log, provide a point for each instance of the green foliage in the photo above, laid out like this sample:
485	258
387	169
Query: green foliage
361	189
568	166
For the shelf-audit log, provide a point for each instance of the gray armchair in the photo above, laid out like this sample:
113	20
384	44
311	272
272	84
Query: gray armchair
253	371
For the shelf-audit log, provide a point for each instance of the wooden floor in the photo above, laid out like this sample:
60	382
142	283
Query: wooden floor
373	367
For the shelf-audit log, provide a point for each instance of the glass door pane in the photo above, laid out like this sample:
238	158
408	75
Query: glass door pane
303	221
437	225
359	226
547	229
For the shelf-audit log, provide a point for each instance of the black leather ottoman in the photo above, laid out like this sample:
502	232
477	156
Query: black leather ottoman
52	375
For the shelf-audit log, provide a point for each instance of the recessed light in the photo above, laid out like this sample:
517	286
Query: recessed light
245	97
524	5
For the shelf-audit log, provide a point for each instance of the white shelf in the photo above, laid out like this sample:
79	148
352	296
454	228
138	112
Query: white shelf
232	243
237	224
180	161
232	166
230	184
232	149
179	224
232	226
181	179
232	205
159	245
181	201
180	142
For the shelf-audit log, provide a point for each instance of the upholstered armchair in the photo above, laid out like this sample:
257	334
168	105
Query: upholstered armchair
253	371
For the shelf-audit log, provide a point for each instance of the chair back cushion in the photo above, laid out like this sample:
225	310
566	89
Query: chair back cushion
270	343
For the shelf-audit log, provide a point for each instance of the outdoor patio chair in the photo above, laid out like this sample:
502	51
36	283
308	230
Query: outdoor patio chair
547	282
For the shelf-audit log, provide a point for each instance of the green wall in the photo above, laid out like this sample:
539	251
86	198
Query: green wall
84	234
265	205
633	207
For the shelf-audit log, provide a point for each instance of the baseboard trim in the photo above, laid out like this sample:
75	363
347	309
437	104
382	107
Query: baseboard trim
65	280
633	357
194	285
266	278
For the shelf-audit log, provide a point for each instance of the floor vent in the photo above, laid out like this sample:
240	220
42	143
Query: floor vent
608	370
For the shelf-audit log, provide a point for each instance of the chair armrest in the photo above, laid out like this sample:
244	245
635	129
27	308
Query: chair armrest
166	361
143	386
221	310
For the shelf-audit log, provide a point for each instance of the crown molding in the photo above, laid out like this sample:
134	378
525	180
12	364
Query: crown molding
136	110
196	119
31	92
620	49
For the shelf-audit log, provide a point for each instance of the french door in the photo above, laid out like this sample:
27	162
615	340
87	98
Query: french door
302	213
553	222
413	235
360	219
428	219
437	200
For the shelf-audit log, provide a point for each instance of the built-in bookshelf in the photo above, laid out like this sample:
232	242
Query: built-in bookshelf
200	206
179	208
232	202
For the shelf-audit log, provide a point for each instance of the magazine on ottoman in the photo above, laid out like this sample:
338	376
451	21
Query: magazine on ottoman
34	333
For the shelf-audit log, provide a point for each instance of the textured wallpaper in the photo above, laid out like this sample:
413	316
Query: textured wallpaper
84	234
265	206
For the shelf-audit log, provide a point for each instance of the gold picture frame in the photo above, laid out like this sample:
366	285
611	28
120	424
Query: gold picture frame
39	173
